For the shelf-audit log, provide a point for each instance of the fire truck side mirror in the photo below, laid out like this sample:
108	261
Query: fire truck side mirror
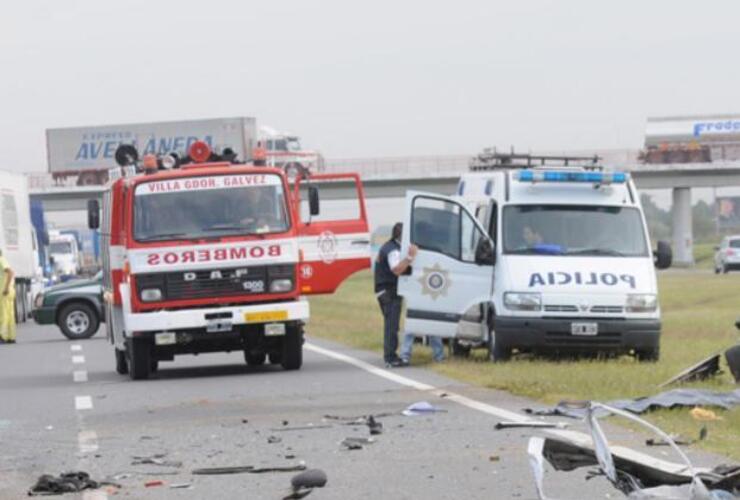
313	200
93	214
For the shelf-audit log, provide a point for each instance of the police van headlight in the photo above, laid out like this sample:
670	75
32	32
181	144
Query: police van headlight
520	301
151	295
281	285
641	303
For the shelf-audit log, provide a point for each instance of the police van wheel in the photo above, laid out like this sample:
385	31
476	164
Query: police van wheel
292	357
254	358
121	363
140	359
459	350
497	352
648	355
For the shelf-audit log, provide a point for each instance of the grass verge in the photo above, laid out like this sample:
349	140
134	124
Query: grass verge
699	311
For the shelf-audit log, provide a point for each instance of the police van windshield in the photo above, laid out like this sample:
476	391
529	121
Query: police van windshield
574	230
60	247
208	207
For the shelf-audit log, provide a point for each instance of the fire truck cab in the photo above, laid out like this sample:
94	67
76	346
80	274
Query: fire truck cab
202	255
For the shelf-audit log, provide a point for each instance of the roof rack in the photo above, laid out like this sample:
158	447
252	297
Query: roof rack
490	159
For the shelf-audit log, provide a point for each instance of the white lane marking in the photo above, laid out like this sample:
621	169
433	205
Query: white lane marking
78	360
79	375
83	403
87	441
75	347
574	436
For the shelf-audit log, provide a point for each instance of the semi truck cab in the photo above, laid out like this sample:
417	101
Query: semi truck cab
545	259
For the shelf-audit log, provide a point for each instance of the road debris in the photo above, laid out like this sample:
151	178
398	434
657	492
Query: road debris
374	426
675	398
356	443
679	440
274	440
304	483
732	356
704	415
157	459
635	474
421	408
309	427
154	483
530	424
181	486
250	469
68	482
708	367
359	420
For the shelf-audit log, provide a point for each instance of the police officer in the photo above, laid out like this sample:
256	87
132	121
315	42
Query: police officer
388	267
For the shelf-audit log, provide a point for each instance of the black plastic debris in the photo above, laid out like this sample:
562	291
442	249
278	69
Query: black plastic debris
704	369
274	440
304	483
68	482
374	426
530	425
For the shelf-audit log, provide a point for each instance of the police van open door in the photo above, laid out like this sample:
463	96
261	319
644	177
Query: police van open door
334	241
448	290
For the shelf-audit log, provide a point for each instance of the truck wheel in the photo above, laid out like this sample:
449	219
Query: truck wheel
648	355
140	359
459	350
121	363
78	321
254	358
292	357
497	352
725	269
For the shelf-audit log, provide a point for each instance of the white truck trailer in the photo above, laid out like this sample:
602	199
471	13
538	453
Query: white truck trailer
88	152
18	241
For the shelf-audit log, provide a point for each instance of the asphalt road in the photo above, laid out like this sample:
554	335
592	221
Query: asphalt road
63	407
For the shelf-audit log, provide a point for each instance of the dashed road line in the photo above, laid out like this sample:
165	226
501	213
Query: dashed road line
79	375
75	347
87	441
78	360
83	403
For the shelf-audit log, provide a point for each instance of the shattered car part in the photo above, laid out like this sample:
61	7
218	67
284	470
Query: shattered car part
421	408
374	426
675	398
356	443
637	475
68	482
304	483
704	369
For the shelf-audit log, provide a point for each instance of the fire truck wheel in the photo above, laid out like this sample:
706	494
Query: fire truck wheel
121	363
254	358
78	321
292	357
140	359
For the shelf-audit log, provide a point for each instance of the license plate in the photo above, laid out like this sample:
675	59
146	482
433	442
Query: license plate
274	329
265	316
216	326
165	338
586	329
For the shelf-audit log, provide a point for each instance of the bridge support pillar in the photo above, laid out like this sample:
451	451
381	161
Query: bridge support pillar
683	240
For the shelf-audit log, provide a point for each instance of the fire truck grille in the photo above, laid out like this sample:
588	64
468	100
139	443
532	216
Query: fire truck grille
183	285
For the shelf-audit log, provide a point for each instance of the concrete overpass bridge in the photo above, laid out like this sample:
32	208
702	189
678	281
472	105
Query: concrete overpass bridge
390	178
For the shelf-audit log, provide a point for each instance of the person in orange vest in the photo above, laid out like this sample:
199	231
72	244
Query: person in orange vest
7	302
259	155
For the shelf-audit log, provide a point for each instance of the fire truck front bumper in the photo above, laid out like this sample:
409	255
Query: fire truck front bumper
216	318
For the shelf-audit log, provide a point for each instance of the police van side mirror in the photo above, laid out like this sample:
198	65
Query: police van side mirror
313	200
93	214
663	255
485	252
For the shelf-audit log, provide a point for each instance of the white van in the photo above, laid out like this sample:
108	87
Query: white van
536	259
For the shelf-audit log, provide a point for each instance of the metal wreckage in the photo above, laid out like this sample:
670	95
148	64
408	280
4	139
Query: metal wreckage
637	475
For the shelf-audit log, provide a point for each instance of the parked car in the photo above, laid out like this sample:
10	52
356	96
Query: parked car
76	306
727	255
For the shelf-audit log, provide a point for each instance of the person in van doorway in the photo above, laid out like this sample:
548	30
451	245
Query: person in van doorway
7	302
388	267
438	349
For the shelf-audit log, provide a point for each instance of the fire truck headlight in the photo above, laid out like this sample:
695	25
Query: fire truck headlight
151	294
281	285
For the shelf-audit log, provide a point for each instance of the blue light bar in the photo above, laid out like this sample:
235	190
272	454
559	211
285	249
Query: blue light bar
569	176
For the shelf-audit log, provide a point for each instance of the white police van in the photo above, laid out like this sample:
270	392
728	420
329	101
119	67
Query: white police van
535	259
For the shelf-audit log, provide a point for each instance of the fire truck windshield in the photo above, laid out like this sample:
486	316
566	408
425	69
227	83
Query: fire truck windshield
207	207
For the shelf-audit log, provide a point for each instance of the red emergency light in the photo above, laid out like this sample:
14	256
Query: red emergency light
199	152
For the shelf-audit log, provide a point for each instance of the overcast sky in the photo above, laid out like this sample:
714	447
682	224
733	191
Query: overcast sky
373	78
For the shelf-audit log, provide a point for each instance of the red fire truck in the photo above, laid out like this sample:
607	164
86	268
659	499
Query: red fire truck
202	255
